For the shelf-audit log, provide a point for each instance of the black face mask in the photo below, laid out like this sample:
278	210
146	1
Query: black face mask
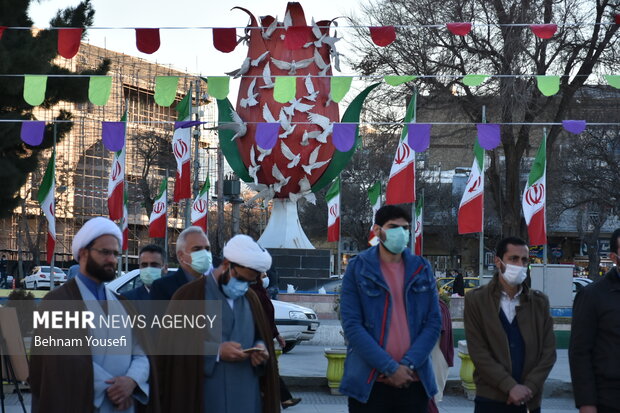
103	273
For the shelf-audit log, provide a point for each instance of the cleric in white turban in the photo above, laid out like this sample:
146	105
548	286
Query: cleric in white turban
213	380
91	230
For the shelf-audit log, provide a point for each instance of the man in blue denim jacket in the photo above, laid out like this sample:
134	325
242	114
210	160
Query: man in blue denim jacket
391	319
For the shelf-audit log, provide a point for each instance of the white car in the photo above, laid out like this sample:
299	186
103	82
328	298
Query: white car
295	323
579	283
40	277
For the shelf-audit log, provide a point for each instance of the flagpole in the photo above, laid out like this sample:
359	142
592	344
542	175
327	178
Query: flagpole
481	241
188	211
166	221
120	268
545	221
414	119
53	262
340	226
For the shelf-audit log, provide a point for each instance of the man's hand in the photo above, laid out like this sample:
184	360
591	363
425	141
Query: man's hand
231	351
414	375
519	395
401	378
281	341
120	390
124	405
587	409
259	357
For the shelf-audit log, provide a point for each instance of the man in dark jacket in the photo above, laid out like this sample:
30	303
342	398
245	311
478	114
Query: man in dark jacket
194	256
595	341
151	262
513	351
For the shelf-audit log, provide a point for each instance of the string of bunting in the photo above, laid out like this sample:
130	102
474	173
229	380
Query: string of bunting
225	39
343	133
285	87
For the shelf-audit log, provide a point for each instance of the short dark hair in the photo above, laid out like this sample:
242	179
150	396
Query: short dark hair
388	212
613	242
502	246
153	248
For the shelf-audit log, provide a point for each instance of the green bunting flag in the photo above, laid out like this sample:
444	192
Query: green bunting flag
474	80
218	86
99	89
285	88
34	89
548	85
613	80
398	80
340	85
165	89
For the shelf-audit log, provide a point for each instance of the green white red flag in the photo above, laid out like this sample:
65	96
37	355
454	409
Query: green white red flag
419	225
374	195
333	212
200	207
158	221
471	209
125	226
401	184
181	147
116	186
46	199
534	198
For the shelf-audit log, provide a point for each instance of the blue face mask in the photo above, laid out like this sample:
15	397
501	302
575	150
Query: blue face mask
396	239
201	261
149	274
235	288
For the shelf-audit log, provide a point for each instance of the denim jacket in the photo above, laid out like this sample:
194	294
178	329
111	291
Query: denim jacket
365	306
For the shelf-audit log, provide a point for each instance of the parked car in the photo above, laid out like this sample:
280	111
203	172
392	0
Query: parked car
295	323
579	283
40	277
445	284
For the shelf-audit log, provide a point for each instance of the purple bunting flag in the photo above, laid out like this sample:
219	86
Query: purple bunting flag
32	132
267	135
113	135
574	126
184	124
488	135
343	136
419	136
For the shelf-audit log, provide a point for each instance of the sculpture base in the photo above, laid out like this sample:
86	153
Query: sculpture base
284	229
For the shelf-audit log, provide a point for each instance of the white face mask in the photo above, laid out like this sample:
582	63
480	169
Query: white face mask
514	274
266	282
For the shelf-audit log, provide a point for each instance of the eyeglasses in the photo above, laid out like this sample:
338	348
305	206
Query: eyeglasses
106	252
255	273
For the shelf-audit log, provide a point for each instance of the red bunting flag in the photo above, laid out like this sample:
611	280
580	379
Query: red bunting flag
225	39
383	36
297	36
147	40
617	17
3	28
69	42
544	31
459	29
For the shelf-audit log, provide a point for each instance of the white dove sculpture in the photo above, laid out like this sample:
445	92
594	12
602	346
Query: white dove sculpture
288	154
245	66
267	78
285	122
254	167
324	123
269	30
312	163
251	99
282	181
296	105
259	59
312	94
293	65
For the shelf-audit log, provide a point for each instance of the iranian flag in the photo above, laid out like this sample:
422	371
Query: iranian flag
157	223
401	184
374	194
419	225
333	212
534	198
200	207
116	186
125	226
471	210
181	146
46	199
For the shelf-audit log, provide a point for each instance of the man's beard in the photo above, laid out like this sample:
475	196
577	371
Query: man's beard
101	272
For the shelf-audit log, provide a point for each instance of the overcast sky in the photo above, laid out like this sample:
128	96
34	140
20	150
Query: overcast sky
190	50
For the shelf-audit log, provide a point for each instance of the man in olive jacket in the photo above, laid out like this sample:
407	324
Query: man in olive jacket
594	352
509	334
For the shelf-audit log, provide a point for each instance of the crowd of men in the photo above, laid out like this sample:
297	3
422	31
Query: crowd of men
395	326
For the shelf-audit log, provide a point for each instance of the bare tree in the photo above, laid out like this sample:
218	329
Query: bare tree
581	46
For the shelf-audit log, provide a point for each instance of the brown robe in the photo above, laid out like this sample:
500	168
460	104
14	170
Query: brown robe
64	383
182	377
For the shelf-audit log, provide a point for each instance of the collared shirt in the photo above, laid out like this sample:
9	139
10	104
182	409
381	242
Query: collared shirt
509	305
98	289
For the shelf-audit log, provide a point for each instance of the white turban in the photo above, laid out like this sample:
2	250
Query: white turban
93	229
243	250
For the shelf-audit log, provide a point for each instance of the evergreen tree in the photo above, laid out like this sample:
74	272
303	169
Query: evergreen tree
33	52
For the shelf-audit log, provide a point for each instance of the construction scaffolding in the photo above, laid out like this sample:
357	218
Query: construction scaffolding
83	163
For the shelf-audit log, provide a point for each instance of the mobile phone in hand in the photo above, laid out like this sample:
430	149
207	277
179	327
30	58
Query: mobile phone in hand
251	349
